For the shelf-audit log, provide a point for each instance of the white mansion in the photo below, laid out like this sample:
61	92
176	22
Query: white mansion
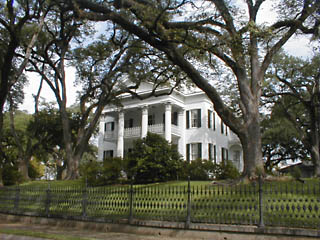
187	120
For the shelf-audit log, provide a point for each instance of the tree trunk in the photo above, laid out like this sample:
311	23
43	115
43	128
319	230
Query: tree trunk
23	168
1	180
251	144
73	168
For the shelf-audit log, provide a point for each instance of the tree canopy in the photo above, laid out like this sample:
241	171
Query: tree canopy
196	36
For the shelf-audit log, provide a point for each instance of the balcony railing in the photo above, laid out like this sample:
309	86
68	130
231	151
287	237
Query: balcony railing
156	128
132	132
175	130
135	132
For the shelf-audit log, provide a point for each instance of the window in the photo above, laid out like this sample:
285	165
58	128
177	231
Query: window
193	118
151	119
222	127
212	151
209	119
194	151
214	121
236	156
210	148
174	118
224	154
107	154
128	123
109	126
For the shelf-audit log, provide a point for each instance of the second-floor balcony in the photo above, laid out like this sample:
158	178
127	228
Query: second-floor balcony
135	132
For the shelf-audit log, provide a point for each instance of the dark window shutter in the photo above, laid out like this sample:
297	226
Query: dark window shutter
131	123
105	127
111	153
215	153
112	126
209	119
188	152
199	118
210	151
214	121
104	155
188	119
199	150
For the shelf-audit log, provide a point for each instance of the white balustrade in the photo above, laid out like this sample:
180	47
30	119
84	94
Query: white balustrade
132	132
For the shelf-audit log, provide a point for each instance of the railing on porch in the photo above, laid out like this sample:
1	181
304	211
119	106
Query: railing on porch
156	128
132	132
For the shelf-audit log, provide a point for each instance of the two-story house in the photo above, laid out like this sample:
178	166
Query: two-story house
187	120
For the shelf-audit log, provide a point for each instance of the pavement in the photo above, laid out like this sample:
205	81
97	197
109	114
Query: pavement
82	233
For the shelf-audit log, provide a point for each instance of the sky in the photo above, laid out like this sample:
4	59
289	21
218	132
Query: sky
297	46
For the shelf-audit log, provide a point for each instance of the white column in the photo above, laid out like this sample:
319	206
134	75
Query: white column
120	144
167	127
182	128
144	122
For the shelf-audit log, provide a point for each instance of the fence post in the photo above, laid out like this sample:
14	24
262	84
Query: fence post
17	199
48	200
188	220
84	202
261	223
131	204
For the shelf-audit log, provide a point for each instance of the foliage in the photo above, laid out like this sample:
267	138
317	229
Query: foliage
226	170
11	175
153	159
36	169
200	36
197	169
101	173
202	169
294	94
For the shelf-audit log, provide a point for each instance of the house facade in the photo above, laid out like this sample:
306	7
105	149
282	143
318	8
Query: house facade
187	120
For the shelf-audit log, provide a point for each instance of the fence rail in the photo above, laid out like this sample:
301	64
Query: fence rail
287	205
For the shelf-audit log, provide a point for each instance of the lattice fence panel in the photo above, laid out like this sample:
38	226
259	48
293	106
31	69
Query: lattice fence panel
32	200
292	205
66	202
160	203
108	202
8	199
225	205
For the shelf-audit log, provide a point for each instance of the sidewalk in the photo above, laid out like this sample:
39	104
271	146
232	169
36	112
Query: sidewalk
88	234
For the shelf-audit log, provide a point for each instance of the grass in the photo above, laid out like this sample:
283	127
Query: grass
31	233
286	203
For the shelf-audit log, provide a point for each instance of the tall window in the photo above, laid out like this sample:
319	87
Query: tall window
107	154
224	154
214	121
128	123
174	118
151	119
194	151
109	126
209	119
222	127
212	151
193	118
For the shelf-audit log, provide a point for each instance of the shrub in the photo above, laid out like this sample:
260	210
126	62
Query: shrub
153	159
227	171
11	175
199	169
101	173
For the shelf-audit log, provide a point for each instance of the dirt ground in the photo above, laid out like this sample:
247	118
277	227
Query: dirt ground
74	233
